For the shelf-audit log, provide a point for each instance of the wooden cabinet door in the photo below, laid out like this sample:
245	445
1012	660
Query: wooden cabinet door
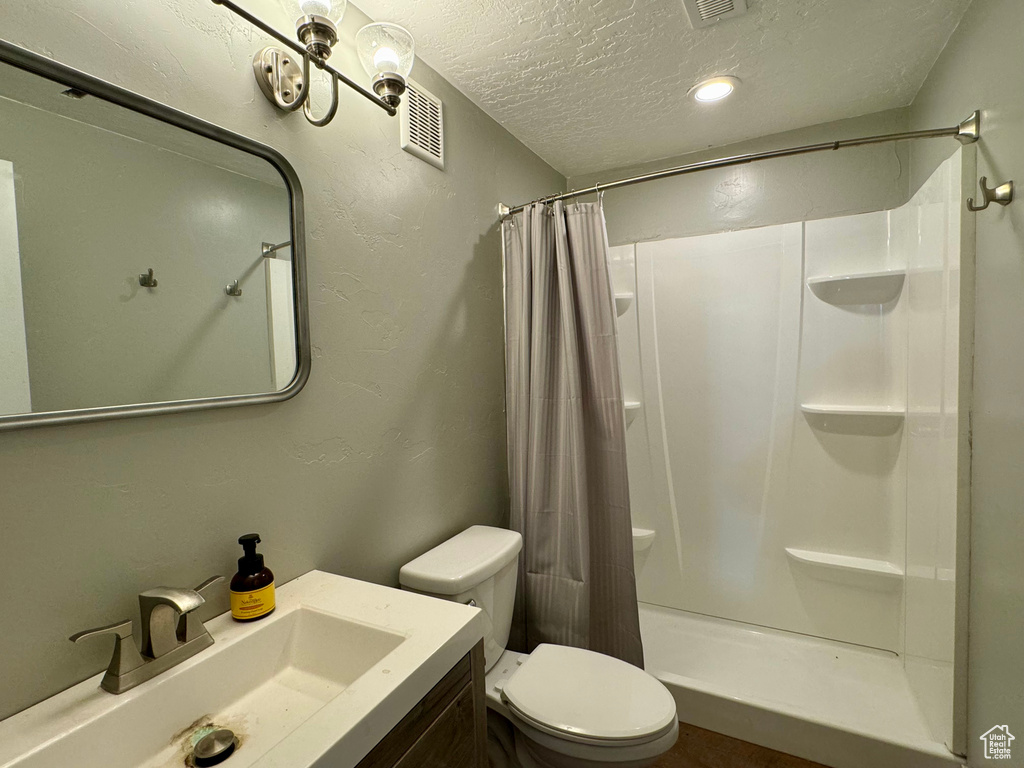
446	729
450	742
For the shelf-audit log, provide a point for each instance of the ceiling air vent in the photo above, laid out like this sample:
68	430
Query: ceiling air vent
704	13
422	117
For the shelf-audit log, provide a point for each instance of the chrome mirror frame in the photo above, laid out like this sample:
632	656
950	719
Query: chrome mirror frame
47	68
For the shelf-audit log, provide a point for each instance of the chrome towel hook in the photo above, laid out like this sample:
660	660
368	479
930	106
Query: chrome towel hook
232	289
146	279
1002	194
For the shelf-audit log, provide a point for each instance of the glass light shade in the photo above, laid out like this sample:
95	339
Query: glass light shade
385	47
330	9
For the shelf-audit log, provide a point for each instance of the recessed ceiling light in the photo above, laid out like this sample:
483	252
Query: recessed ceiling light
715	89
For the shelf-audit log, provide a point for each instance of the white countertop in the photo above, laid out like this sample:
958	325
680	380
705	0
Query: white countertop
418	638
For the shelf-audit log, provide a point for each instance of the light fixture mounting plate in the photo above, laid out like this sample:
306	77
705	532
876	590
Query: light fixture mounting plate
279	75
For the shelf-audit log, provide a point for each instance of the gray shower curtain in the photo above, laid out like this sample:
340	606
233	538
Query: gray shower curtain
566	435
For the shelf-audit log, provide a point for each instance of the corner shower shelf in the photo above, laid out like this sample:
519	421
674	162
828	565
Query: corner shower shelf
632	407
887	411
642	539
622	302
845	569
863	288
855	419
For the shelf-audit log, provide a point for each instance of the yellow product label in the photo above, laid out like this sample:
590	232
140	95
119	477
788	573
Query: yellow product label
252	605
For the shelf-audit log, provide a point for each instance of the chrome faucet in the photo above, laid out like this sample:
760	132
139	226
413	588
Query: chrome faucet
171	633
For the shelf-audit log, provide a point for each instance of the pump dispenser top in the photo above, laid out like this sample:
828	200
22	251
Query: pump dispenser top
252	588
251	562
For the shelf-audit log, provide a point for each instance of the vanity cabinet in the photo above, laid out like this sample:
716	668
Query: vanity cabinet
446	729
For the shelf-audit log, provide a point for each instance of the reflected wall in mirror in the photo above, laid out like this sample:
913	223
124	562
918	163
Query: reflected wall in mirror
94	195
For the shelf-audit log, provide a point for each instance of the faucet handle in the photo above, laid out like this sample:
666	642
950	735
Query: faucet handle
189	626
126	655
122	630
209	583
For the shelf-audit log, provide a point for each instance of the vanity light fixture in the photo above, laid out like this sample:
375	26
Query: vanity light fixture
387	52
317	27
714	89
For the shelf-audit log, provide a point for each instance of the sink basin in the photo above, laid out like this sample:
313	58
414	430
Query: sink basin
319	682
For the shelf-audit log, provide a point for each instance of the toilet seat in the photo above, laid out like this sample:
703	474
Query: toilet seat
548	751
605	744
589	698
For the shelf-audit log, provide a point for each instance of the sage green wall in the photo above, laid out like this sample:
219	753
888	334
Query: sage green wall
398	440
982	68
96	209
802	188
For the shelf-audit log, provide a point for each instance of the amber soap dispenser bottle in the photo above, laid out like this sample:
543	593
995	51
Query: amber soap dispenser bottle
252	588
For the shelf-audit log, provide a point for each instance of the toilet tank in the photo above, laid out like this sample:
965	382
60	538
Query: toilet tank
478	565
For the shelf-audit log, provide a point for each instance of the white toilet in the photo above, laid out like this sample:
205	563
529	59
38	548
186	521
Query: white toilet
568	708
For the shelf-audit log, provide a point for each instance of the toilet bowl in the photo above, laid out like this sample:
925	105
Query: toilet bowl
567	707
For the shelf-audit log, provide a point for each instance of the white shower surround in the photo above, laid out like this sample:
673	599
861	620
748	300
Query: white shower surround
826	429
15	394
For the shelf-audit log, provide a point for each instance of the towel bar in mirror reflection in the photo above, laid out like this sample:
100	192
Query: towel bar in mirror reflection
95	179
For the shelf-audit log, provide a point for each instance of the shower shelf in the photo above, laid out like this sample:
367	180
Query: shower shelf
845	569
887	411
863	288
622	302
855	419
631	407
642	539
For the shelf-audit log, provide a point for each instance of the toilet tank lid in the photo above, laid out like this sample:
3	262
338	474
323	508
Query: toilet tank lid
462	562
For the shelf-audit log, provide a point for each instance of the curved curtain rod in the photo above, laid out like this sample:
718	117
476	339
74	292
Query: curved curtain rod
967	132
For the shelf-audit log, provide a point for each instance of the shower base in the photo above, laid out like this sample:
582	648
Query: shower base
838	704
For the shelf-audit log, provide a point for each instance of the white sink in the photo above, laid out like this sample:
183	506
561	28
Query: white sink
319	682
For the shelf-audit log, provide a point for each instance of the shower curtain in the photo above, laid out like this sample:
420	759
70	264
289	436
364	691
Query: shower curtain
566	435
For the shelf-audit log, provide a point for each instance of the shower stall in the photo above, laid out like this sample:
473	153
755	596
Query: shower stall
797	441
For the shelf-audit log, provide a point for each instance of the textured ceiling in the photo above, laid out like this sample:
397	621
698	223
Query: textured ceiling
595	84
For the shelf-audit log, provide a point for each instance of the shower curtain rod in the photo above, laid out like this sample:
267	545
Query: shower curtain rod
967	132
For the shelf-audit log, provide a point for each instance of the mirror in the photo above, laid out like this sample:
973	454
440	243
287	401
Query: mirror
149	262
